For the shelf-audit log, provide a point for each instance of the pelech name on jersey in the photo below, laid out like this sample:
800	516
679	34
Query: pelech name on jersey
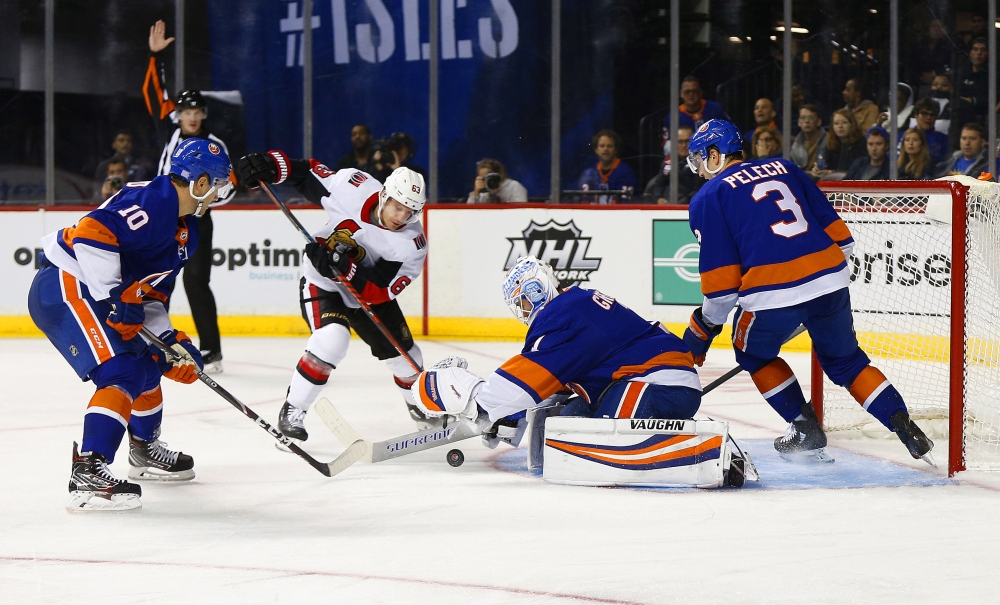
762	171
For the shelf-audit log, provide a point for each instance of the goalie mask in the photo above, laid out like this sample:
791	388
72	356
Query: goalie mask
407	188
528	286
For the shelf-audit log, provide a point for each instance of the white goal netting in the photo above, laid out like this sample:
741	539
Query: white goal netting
901	295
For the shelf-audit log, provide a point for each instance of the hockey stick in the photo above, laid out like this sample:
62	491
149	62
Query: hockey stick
379	451
718	382
340	279
352	454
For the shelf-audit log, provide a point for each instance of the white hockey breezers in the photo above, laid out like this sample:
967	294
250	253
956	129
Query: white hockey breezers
638	452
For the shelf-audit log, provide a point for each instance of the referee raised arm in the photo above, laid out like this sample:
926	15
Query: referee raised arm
176	121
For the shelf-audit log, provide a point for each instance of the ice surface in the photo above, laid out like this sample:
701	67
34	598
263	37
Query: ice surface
261	526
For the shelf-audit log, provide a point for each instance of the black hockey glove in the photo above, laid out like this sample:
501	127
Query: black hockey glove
326	260
272	167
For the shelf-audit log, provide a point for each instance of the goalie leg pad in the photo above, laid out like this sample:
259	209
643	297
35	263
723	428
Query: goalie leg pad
636	452
450	391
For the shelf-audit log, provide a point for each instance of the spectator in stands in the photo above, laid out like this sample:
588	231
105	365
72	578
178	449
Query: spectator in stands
695	110
688	183
492	185
811	138
926	112
115	176
844	145
971	159
123	151
391	153
904	108
874	166
941	94
914	160
972	89
361	149
865	112
767	143
610	173
763	115
977	29
933	55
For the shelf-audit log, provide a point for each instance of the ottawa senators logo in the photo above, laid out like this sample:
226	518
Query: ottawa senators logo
343	236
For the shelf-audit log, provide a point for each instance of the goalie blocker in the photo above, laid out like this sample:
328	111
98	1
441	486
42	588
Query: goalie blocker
642	452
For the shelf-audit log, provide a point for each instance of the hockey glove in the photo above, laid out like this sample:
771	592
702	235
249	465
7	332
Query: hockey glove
326	260
127	314
271	167
699	335
182	367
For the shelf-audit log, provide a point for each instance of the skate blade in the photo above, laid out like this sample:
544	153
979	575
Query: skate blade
809	457
88	502
213	368
148	473
929	459
281	448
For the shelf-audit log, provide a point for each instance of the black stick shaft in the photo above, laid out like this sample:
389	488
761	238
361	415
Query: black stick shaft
252	415
340	279
718	382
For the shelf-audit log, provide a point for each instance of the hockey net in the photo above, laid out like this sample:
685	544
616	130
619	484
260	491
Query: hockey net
925	294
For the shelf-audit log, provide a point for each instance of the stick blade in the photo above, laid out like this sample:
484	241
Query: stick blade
354	452
337	424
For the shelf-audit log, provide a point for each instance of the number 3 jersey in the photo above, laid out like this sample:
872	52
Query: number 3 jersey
135	235
388	260
587	339
769	238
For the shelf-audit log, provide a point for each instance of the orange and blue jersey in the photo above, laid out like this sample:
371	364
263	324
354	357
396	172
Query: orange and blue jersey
135	235
586	339
769	239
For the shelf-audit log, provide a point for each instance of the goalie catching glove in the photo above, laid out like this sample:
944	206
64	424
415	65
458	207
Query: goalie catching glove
182	367
699	336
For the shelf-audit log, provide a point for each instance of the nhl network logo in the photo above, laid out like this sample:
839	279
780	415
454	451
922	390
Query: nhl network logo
561	245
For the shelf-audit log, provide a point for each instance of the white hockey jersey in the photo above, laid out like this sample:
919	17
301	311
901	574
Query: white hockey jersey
393	259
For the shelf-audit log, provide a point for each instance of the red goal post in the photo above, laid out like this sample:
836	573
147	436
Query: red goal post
925	282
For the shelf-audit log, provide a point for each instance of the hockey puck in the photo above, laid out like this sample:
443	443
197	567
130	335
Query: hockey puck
456	458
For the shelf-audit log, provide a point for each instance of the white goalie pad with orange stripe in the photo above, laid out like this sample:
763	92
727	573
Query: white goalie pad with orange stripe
636	452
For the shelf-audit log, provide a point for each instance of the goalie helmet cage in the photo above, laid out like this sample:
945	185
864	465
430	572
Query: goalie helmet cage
925	295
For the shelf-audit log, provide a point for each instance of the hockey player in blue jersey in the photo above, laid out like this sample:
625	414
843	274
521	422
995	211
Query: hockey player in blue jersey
101	281
773	247
619	364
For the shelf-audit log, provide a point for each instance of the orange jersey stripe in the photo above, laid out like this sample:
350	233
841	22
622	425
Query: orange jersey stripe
112	399
630	399
723	278
92	229
670	358
148	400
532	374
772	375
838	231
865	384
793	270
91	325
742	327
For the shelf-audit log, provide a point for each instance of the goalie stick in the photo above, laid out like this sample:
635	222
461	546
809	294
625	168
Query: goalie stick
340	279
379	451
355	450
718	382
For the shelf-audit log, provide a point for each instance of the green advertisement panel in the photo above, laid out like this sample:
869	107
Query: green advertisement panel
675	264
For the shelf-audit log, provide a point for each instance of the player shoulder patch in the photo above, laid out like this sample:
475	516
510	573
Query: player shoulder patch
420	242
357	178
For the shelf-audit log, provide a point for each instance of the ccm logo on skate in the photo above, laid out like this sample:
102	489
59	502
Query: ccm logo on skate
408	443
652	424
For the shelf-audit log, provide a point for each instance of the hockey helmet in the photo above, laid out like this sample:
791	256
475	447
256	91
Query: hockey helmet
528	286
406	187
195	157
191	99
722	135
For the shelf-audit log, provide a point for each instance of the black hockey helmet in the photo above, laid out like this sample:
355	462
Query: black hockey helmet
190	99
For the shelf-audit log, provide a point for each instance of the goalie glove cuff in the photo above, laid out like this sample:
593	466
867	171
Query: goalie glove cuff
447	392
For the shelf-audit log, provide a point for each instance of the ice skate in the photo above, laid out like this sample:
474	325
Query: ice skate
918	444
291	423
93	488
804	440
153	461
212	361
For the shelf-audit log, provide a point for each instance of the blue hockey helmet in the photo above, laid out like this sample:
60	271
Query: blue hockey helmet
194	157
720	134
528	286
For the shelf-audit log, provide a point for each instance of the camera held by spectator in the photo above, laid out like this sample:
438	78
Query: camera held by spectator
492	184
392	152
114	179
